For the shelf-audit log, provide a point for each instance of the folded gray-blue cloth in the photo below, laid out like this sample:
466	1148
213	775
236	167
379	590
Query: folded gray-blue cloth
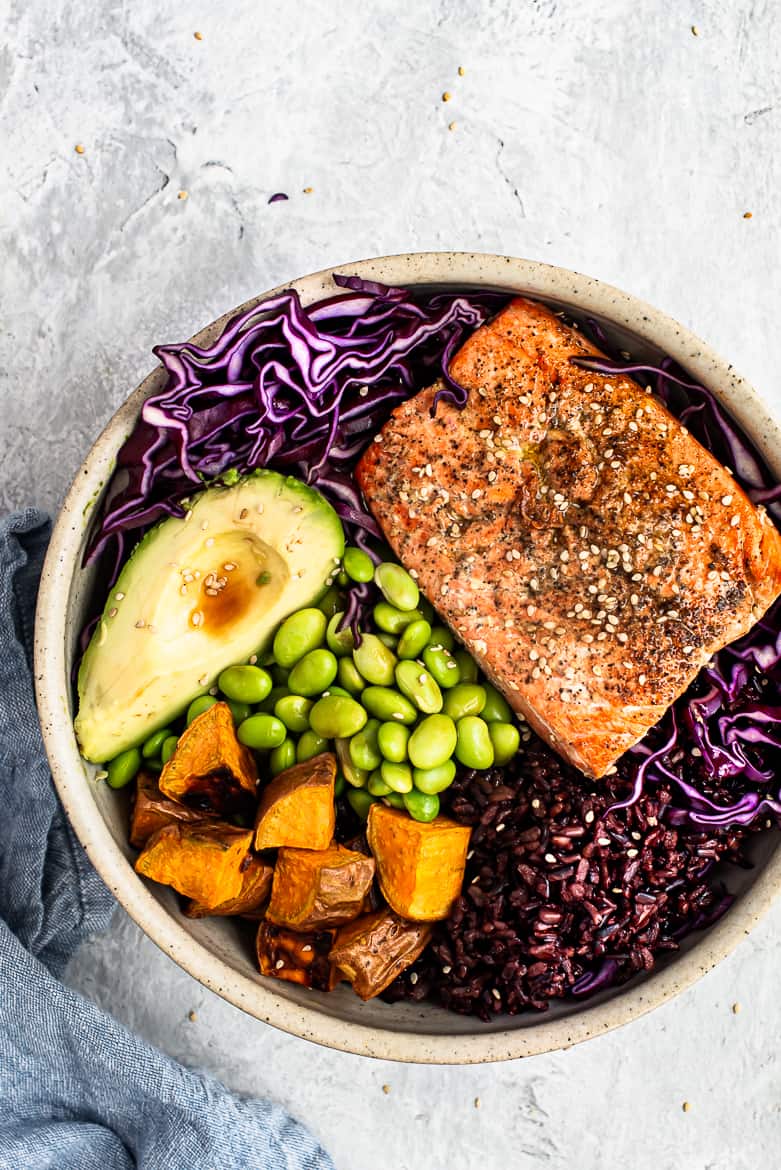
77	1091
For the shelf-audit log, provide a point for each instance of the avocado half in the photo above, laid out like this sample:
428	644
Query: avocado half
196	595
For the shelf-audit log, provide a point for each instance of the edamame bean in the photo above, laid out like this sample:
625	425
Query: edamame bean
506	740
198	706
239	711
377	785
169	747
339	641
294	710
374	661
360	801
153	746
356	777
394	799
464	699
388	640
392	620
330	602
358	565
350	677
496	709
282	756
467	666
388	705
414	639
261	732
298	635
339	785
442	665
432	742
396	586
272	698
337	716
392	740
419	687
433	780
313	673
309	745
335	690
421	806
364	750
474	748
123	768
245	684
442	636
398	777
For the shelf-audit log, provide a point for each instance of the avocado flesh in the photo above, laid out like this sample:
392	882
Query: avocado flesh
199	594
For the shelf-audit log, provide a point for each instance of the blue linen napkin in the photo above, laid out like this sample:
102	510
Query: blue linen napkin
77	1091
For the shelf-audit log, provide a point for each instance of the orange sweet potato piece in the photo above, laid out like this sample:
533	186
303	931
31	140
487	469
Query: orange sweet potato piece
204	862
210	769
313	890
298	958
297	807
255	889
374	949
420	867
153	811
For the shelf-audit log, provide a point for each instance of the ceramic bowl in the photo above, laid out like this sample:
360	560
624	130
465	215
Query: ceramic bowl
213	951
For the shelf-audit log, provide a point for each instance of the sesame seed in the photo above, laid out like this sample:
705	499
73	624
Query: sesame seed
551	858
119	596
642	680
113	611
589	817
196	618
603	840
632	852
735	521
140	625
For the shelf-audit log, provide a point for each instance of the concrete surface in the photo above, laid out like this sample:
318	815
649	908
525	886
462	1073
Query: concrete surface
607	137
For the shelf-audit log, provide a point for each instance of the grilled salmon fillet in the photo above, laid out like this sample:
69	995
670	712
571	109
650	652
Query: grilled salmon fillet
590	554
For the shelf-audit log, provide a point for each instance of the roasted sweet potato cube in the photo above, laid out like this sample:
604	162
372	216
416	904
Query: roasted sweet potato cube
313	890
255	888
420	867
297	807
299	958
210	769
374	949
153	811
203	862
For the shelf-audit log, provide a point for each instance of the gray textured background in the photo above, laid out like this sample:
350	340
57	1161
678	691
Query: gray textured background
602	136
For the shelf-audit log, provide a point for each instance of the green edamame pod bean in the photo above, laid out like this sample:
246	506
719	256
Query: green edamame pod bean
360	801
464	699
198	706
506	739
419	687
313	673
356	777
339	641
331	602
282	756
377	785
364	750
279	675
396	586
298	635
442	636
261	732
394	799
392	740
432	742
239	711
339	785
442	665
123	768
392	620
467	666
350	677
337	717
294	710
474	748
169	747
388	705
374	661
388	640
245	684
496	708
414	639
433	780
398	777
309	745
421	806
358	565
154	745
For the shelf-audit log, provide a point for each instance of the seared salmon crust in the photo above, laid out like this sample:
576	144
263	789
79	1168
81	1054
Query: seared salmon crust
585	548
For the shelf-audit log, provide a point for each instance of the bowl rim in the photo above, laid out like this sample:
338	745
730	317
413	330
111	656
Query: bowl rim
258	998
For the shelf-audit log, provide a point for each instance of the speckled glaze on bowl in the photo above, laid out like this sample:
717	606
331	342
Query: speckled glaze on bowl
212	950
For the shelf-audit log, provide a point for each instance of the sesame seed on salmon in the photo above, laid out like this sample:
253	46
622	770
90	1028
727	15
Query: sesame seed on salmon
585	548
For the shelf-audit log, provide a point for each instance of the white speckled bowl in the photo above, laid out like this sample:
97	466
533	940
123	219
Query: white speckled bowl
212	950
